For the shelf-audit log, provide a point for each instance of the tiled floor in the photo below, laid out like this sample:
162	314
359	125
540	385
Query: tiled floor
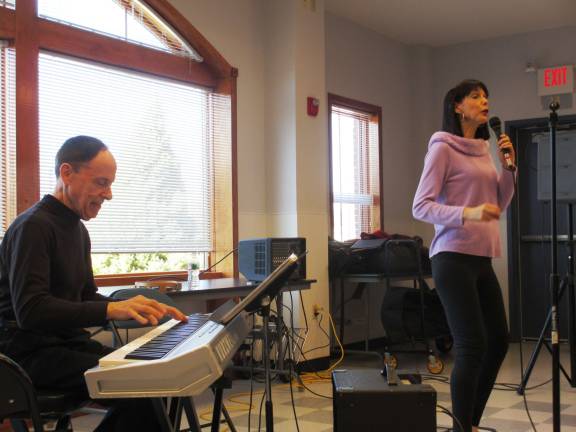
505	411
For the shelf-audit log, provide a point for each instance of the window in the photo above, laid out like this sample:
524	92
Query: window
355	177
132	73
7	136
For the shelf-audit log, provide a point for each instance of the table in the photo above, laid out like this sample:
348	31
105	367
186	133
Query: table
211	289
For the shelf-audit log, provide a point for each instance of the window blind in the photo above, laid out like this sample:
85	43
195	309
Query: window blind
167	137
355	173
7	136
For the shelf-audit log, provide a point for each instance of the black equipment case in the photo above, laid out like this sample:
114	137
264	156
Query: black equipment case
363	401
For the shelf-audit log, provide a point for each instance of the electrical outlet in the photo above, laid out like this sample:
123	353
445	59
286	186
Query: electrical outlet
317	309
310	4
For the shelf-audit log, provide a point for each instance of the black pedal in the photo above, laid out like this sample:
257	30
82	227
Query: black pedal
408	376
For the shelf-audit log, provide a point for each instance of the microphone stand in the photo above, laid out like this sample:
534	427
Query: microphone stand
264	311
554	279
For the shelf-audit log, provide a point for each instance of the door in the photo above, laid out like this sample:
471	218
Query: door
529	227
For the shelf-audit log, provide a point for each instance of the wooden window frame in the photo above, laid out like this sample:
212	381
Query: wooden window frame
30	34
373	110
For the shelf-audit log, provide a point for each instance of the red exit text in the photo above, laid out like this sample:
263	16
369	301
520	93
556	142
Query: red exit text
554	77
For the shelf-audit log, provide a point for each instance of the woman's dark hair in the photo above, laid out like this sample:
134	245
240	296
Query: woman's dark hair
78	150
450	120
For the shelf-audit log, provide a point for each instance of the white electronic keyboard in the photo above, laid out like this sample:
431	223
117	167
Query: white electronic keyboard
183	359
174	359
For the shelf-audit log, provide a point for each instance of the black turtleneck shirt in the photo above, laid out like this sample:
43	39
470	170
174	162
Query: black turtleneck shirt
46	281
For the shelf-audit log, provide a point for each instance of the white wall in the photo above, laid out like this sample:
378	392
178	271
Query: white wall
237	30
278	47
281	131
297	143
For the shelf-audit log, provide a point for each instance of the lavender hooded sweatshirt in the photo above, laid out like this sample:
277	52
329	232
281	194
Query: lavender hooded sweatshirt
459	172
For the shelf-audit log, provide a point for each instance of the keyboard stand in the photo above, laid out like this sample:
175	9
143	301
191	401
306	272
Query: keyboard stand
219	409
169	414
169	411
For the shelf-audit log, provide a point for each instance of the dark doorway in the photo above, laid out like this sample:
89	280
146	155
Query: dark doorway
529	227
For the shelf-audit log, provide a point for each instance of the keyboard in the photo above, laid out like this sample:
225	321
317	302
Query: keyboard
173	359
162	344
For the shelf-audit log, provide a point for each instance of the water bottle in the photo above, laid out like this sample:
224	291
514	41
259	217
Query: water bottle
192	275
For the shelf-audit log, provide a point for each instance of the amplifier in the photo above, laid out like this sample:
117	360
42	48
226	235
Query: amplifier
258	257
363	401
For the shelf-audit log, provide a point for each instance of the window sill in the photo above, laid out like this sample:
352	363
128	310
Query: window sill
131	278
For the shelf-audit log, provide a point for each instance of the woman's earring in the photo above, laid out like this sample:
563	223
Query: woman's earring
462	116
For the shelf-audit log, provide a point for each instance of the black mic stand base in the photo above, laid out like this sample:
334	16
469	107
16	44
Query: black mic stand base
542	342
264	311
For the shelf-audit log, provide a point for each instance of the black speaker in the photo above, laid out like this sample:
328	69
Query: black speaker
363	401
259	257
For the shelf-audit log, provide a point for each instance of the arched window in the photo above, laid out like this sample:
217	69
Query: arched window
139	77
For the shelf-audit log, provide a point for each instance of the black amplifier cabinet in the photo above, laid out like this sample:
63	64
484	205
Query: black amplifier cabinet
363	401
258	257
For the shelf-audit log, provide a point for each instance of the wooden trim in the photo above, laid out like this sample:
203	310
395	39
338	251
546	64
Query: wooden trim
354	104
227	85
234	134
7	23
4	143
226	185
212	57
79	43
128	5
330	173
224	221
375	111
380	168
131	278
210	275
27	124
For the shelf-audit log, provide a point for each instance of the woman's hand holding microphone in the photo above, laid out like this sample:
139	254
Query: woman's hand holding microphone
506	154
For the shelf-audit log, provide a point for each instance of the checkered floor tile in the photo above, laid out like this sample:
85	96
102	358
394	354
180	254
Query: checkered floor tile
505	411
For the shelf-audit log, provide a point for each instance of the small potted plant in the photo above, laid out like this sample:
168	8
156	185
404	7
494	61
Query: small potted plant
193	273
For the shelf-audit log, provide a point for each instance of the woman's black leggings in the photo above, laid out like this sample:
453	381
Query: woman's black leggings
472	300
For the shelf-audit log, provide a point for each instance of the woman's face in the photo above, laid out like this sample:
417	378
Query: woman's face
474	108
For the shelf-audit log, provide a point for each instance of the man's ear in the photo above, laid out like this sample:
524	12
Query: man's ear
66	171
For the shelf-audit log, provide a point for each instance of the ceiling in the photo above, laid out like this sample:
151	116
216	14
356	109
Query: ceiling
439	23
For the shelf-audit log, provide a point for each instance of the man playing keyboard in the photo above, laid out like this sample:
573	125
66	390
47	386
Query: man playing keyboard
47	289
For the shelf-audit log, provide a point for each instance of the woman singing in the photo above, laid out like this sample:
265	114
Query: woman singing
463	195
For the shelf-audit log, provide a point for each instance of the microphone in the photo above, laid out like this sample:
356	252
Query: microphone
496	126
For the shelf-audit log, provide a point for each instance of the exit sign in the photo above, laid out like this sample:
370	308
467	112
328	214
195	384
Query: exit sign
556	80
